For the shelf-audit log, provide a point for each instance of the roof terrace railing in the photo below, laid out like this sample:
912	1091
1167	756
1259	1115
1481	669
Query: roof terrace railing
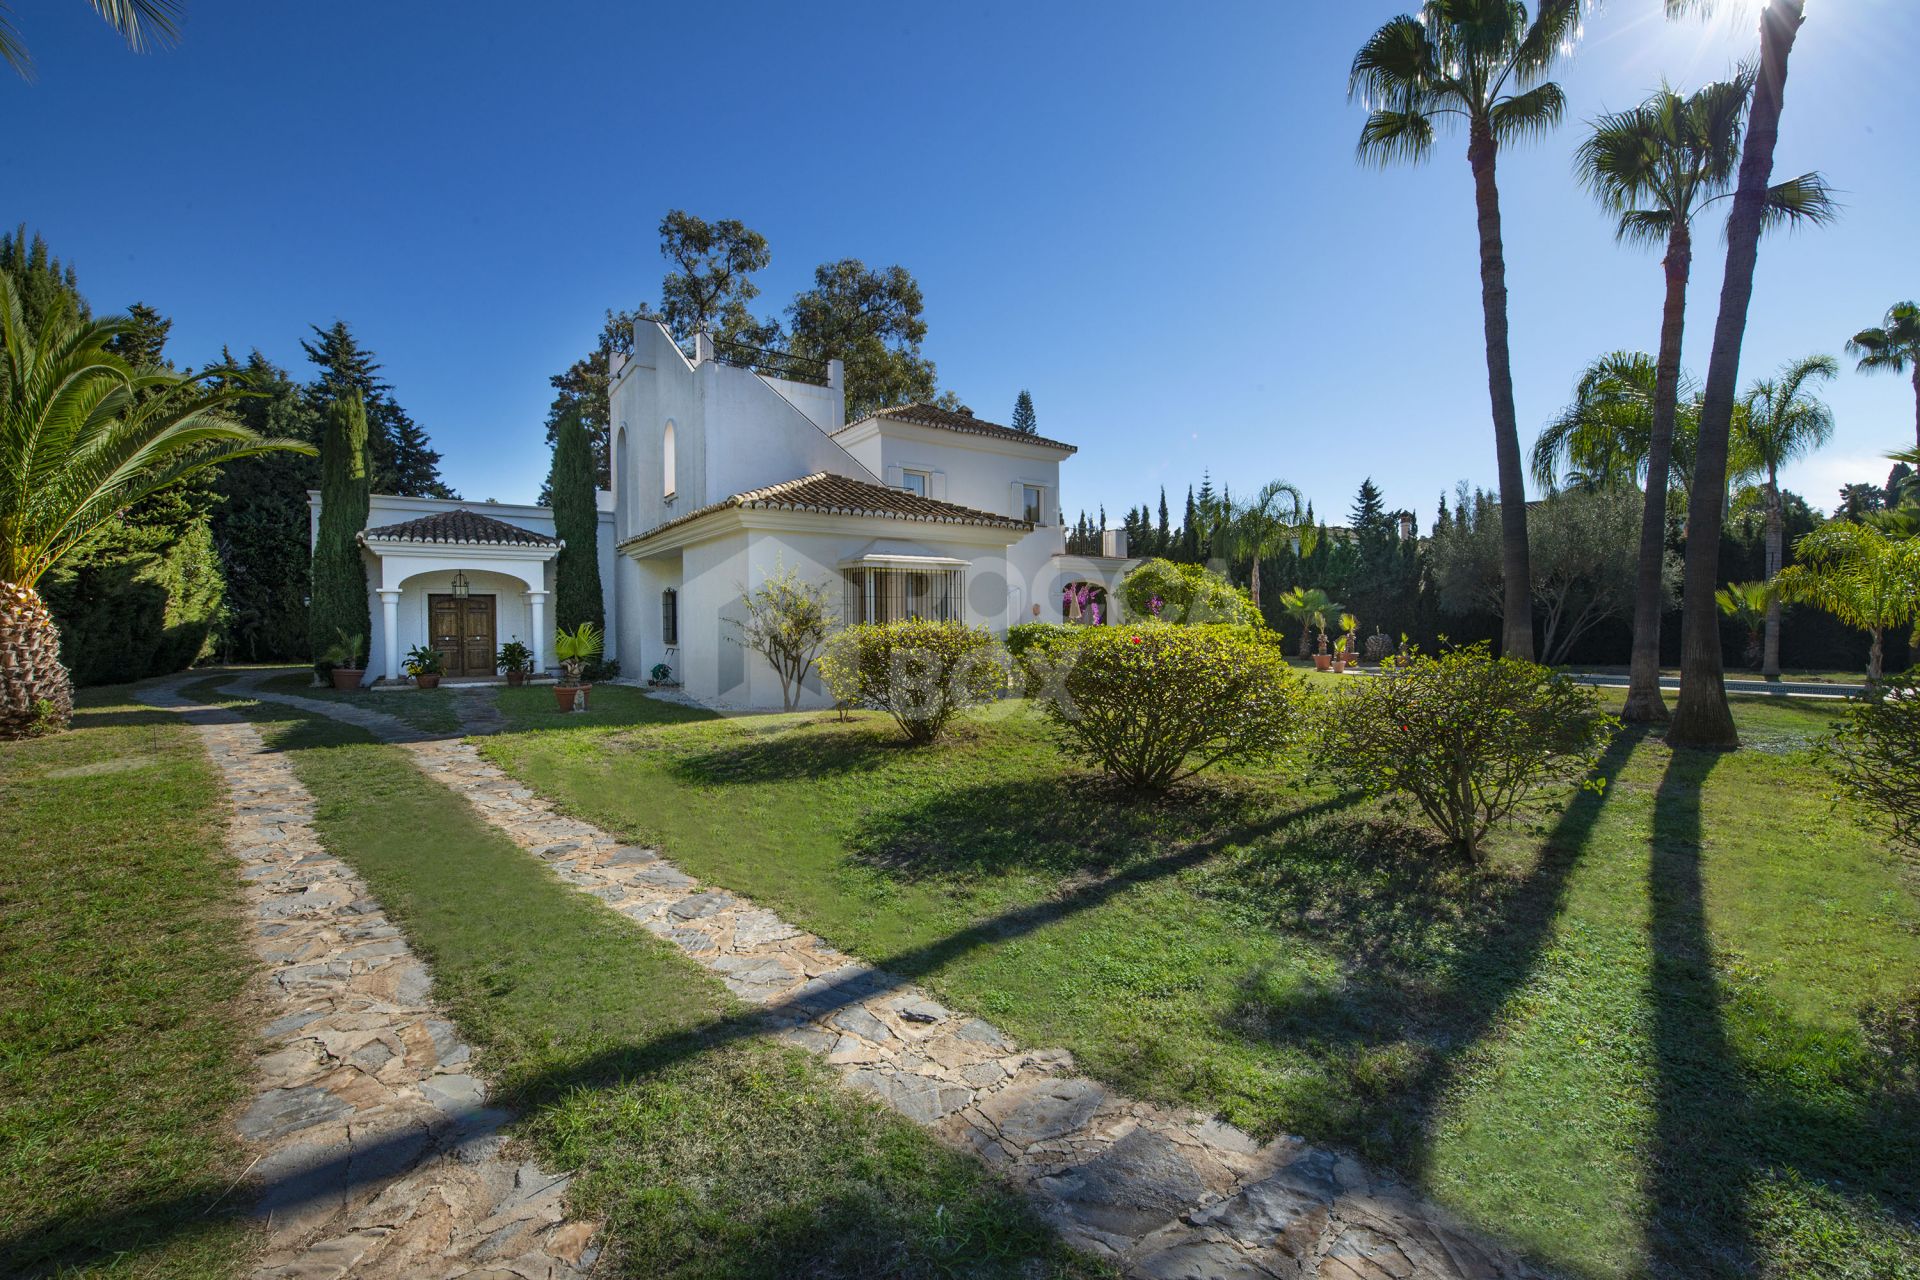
774	364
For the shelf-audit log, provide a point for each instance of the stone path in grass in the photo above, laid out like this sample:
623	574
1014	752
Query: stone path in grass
1165	1193
377	1155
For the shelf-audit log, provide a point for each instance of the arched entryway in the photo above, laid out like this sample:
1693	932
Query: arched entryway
1085	603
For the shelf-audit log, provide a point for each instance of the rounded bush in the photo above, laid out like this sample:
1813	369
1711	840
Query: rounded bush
1186	593
1153	704
1875	755
923	674
1467	736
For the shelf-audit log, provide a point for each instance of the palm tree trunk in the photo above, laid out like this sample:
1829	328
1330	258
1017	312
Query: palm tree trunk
1516	632
36	694
1776	537
1916	404
1256	585
1644	703
1702	718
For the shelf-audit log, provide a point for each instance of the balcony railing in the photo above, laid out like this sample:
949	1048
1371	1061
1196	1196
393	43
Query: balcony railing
774	364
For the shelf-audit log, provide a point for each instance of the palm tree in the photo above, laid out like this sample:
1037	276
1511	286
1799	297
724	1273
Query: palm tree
1604	439
1481	63
1701	715
1781	422
1894	347
1748	604
1861	576
1656	166
142	23
83	436
1260	528
1309	606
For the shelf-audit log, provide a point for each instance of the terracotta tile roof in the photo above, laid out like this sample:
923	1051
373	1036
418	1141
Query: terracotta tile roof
930	415
462	526
831	494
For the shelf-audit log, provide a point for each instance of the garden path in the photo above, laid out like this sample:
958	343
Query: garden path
1164	1193
377	1154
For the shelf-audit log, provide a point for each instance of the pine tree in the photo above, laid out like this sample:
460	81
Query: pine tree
402	461
1162	532
1023	418
1190	532
41	280
416	463
339	576
576	522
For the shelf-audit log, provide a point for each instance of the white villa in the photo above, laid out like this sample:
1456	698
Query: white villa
728	468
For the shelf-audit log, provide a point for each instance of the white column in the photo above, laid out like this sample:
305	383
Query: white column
537	615
390	630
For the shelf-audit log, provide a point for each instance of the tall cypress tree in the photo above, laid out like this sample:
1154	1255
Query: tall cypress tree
1162	532
339	576
576	521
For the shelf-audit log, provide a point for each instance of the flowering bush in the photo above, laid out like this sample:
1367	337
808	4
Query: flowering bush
1875	754
921	673
1153	704
1185	593
1467	736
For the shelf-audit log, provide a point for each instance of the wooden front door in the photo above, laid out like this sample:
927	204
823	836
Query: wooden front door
462	630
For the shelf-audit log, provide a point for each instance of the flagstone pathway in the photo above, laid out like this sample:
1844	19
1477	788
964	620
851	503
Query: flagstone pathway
378	1157
1167	1194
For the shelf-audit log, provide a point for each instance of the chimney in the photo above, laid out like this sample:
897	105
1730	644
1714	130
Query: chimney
1113	542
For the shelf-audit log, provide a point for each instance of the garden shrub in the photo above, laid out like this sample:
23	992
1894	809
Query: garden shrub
1153	704
140	601
1186	593
1466	736
921	673
1875	754
1037	649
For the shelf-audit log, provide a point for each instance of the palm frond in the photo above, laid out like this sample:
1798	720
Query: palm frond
1555	28
1388	136
1803	200
1644	226
13	50
144	23
1891	346
1530	114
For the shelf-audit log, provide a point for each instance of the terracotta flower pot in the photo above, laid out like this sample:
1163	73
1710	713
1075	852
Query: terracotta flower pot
347	679
563	694
427	682
1339	665
516	678
1322	661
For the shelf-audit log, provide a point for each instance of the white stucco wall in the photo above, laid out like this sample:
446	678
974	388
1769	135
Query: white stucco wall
733	430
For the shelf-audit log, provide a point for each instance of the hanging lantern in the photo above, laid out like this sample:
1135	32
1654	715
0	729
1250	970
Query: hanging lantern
460	587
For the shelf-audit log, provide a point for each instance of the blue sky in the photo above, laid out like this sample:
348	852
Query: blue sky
1154	223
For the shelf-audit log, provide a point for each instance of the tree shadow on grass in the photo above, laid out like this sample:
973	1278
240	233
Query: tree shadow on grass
1431	952
776	754
1721	1131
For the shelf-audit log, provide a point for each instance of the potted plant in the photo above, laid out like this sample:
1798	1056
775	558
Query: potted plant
1321	660
662	674
1348	646
345	661
1340	654
516	660
575	649
425	666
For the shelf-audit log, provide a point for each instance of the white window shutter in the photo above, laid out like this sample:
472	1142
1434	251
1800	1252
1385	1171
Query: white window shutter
1018	506
894	478
939	486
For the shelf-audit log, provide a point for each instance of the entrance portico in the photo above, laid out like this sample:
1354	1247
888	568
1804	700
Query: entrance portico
458	578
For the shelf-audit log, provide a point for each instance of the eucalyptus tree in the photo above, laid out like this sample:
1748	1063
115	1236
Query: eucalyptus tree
141	23
1481	65
83	436
1656	167
1893	346
1781	421
1260	528
1701	715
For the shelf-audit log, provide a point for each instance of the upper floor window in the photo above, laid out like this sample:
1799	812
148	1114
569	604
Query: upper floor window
914	482
667	460
1035	507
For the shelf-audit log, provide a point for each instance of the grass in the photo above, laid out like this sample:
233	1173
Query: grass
430	710
709	1152
1631	1045
124	1036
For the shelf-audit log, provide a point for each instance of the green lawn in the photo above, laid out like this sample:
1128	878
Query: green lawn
710	1152
1633	1045
124	1037
430	710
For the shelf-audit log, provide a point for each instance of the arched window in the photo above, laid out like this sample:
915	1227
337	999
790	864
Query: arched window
666	460
670	617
